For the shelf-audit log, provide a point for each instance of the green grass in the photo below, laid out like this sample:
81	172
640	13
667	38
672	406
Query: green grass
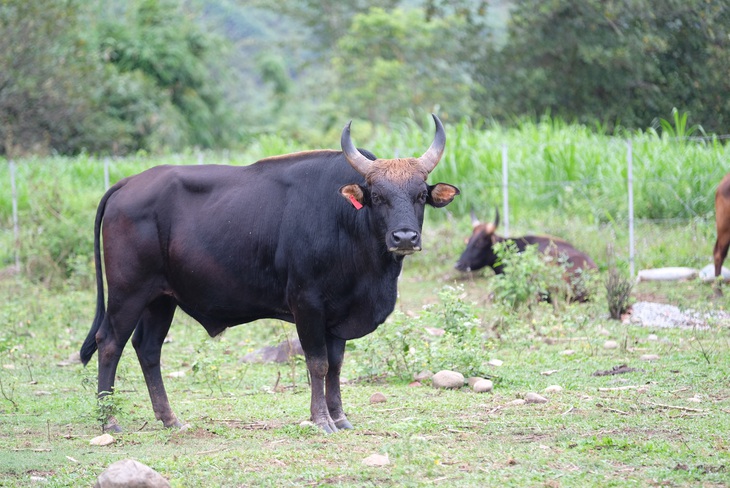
245	419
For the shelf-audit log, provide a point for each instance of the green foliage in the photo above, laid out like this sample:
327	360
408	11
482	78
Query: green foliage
388	69
618	289
446	335
528	276
620	63
75	77
108	405
679	129
156	43
46	69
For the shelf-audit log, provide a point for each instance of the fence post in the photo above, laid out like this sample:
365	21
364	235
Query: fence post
630	174
505	191
16	227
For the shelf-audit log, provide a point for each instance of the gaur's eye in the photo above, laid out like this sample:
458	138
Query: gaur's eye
422	196
376	198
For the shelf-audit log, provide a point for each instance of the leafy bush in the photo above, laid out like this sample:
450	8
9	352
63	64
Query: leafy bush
446	335
528	276
618	289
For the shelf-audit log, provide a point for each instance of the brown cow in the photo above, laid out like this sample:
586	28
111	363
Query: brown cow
480	253
722	220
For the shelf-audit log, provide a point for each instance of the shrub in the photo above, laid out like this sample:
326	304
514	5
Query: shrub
528	277
404	345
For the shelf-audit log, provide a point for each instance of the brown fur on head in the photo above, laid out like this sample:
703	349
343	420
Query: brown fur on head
396	170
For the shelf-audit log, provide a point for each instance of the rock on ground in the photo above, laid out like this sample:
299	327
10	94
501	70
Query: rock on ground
535	398
279	353
483	386
378	397
448	379
129	473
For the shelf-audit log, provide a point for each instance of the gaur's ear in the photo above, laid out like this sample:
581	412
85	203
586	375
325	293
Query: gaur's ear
355	194
441	194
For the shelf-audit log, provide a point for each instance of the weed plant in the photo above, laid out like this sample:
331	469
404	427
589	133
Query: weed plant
446	335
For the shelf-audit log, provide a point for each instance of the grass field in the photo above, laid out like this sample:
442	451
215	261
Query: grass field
665	424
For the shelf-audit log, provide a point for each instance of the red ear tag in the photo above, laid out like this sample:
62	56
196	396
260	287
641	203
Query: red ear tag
354	202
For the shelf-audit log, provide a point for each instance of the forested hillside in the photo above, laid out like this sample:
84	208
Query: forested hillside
115	77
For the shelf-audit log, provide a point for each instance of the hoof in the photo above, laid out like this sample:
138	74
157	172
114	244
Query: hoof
176	425
343	424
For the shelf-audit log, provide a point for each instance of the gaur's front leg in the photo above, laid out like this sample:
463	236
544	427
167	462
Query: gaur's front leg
335	356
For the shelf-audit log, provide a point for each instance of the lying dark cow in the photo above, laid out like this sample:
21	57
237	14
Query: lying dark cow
722	220
480	253
315	238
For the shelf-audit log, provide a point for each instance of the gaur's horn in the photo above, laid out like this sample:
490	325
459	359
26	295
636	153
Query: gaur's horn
359	162
474	219
433	154
496	217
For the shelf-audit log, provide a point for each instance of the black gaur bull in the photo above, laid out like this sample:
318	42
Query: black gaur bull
480	253
315	238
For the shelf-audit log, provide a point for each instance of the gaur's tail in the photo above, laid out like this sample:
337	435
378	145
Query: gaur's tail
89	347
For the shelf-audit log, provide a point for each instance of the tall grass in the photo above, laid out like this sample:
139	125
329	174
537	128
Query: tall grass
563	179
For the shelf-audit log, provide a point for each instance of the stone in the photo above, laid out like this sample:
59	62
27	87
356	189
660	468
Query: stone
610	345
472	380
649	357
378	397
130	473
280	353
102	440
448	379
423	375
535	398
567	352
74	358
516	402
553	389
483	386
495	362
376	460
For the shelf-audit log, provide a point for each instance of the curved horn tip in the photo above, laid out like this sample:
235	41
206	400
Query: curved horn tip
433	155
474	219
359	162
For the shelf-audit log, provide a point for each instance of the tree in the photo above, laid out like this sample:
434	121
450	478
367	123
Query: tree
46	68
391	63
619	62
160	53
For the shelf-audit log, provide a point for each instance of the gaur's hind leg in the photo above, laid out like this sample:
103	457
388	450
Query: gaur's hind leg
335	356
113	334
147	342
719	254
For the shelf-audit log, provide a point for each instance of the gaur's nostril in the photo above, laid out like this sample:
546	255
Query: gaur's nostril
404	237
